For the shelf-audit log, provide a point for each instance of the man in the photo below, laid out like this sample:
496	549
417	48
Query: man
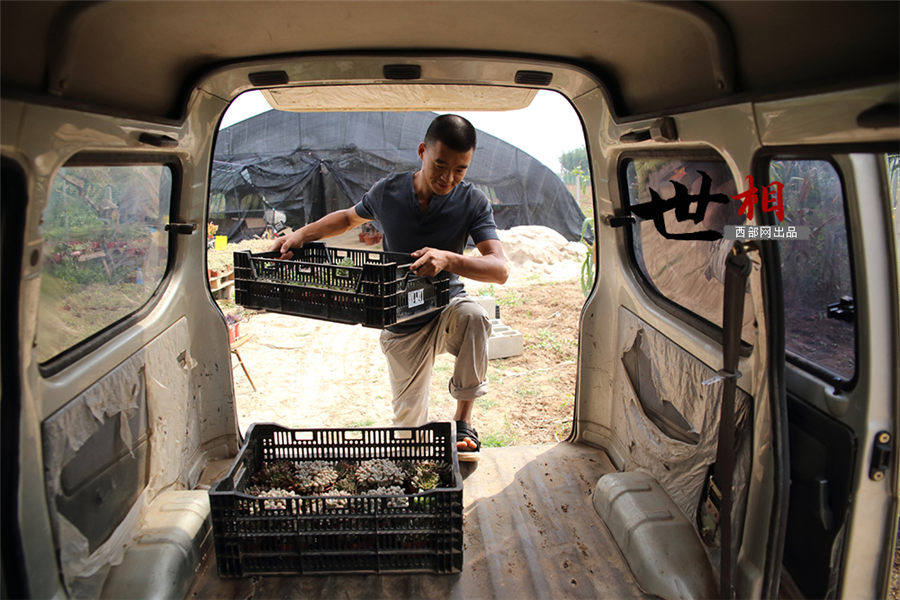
430	214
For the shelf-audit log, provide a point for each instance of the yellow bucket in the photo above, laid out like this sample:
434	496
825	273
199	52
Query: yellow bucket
221	242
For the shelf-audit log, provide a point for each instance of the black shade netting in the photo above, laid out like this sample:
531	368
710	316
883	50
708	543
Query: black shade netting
309	164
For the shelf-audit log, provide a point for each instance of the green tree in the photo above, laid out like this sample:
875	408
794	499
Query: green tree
574	159
575	168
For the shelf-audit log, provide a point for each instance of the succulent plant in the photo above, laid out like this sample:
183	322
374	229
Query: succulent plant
347	483
408	467
378	472
278	503
340	480
313	477
427	477
393	490
337	502
275	474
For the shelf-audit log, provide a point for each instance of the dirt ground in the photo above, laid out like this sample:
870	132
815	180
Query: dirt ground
311	373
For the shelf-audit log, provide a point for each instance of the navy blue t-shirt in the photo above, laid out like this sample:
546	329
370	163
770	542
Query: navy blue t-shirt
446	225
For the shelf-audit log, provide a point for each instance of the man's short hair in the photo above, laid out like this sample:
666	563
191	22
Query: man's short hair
453	131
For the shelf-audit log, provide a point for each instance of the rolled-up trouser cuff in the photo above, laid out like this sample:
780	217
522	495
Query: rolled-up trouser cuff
469	393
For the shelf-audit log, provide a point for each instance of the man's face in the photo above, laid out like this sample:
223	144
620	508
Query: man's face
442	167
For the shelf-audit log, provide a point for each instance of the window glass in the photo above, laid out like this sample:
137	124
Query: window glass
105	249
892	169
892	164
819	316
689	272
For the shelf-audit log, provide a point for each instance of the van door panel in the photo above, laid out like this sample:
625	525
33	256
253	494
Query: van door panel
838	379
676	378
101	470
104	478
108	453
823	451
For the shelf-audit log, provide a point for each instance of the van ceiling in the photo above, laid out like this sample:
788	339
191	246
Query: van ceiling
144	57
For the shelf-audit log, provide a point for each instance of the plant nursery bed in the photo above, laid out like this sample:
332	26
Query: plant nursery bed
344	285
373	500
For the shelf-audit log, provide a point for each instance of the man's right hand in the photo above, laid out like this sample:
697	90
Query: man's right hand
285	243
330	225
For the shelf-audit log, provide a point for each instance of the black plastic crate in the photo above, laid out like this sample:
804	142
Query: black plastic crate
376	290
360	534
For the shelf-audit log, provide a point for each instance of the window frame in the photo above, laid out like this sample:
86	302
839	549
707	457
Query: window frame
761	162
698	322
89	344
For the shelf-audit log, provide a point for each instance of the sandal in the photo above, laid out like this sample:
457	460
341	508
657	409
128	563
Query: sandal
463	431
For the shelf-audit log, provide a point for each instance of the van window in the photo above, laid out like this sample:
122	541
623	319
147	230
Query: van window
105	249
688	272
892	166
819	311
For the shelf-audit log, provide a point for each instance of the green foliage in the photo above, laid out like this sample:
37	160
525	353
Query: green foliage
105	195
217	205
587	266
893	175
548	341
644	168
562	430
346	262
498	439
575	159
510	297
527	392
575	167
817	270
96	231
100	220
84	274
485	402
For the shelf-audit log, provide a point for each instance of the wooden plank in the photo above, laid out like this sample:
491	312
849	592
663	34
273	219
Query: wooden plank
221	285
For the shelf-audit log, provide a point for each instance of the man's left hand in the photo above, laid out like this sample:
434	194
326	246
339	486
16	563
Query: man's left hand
431	261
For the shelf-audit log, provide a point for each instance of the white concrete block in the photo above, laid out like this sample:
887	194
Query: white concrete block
488	303
504	341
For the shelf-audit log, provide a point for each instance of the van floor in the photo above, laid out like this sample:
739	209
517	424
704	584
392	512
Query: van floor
530	531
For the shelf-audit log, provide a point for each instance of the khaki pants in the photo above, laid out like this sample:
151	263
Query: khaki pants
463	330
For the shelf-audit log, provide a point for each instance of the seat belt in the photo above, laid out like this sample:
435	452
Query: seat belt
716	508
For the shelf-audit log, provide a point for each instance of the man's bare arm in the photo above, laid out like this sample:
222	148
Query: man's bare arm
490	267
330	225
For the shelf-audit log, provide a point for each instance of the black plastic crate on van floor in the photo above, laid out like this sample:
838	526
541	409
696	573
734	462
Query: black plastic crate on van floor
358	534
345	285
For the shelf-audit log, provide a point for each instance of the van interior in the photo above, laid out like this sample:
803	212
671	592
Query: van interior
735	404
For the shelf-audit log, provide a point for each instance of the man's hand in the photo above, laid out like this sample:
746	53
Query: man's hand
285	243
431	261
490	267
330	225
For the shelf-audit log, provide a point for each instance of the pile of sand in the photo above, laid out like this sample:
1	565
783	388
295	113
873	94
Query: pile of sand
529	245
540	253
